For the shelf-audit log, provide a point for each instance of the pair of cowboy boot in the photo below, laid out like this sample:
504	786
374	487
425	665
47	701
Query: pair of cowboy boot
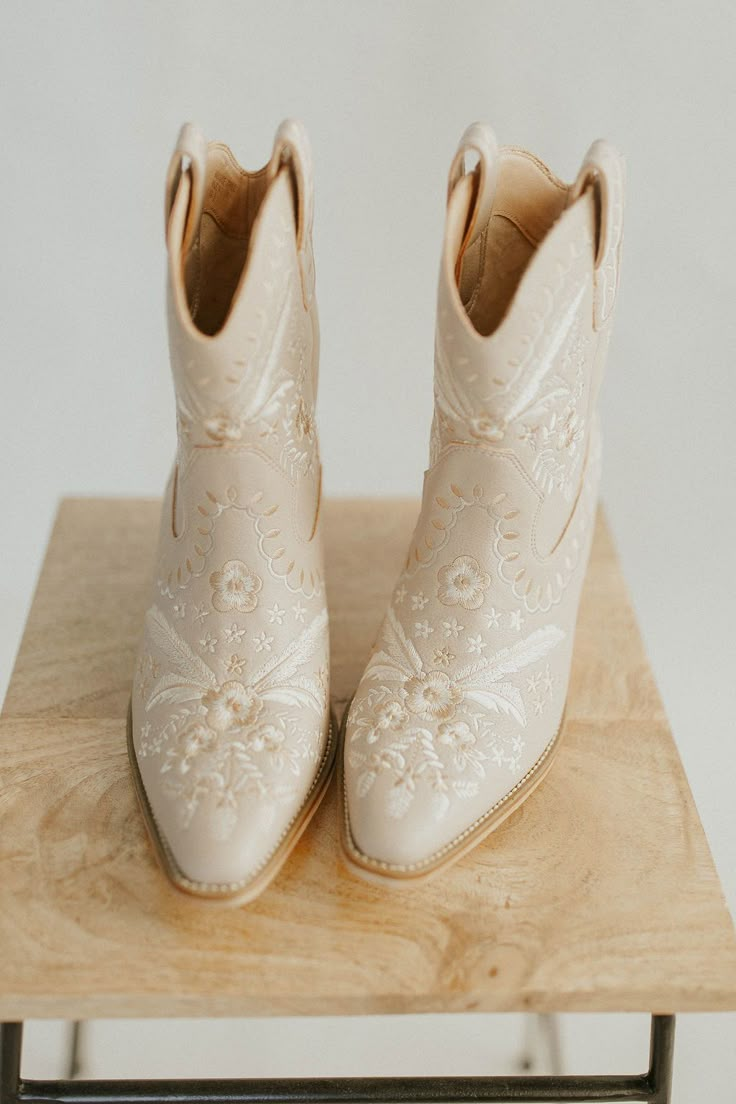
458	714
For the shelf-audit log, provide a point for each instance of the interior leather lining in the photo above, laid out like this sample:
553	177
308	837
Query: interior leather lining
527	203
214	264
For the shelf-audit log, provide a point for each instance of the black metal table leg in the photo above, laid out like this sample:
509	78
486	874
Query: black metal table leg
653	1087
74	1063
11	1044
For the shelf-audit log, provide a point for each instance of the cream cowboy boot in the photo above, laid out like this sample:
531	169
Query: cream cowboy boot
230	739
458	715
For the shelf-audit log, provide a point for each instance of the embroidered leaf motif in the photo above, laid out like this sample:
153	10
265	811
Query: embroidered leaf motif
503	698
399	799
177	651
365	782
400	659
171	690
525	393
281	667
509	661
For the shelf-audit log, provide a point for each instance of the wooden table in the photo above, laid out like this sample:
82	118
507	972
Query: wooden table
599	894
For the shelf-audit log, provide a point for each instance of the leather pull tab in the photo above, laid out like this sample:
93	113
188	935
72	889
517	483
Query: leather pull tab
603	170
292	148
188	159
480	140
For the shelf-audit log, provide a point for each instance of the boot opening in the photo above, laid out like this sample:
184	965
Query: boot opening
214	265
528	200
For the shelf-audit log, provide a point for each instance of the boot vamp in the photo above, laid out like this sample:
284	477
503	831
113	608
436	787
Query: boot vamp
466	687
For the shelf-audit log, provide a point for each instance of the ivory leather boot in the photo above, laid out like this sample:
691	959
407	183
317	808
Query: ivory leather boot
230	738
458	715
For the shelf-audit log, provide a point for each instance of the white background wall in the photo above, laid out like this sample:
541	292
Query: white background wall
93	97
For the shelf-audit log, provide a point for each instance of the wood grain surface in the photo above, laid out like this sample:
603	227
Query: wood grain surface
598	894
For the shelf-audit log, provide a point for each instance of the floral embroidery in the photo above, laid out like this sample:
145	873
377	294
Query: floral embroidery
233	634
452	628
303	421
218	743
223	428
235	665
458	736
426	727
232	705
487	427
235	587
299	611
208	643
422	629
276	615
262	642
432	695
443	657
388	715
462	583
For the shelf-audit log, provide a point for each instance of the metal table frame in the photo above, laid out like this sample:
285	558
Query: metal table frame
654	1086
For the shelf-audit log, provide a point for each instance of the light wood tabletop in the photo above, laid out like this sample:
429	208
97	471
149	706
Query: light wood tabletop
599	894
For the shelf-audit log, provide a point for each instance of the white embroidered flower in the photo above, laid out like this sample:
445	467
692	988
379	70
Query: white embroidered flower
235	587
422	629
262	642
515	620
192	741
199	613
400	595
303	421
269	429
487	427
233	634
232	705
476	644
418	601
267	737
533	684
432	695
208	643
221	427
462	583
548	680
493	618
443	657
459	737
452	628
235	665
299	611
276	614
567	433
180	609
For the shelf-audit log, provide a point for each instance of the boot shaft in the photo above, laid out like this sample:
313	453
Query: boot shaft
527	285
242	319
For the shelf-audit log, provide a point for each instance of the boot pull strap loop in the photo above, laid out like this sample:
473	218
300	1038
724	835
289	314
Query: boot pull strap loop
292	148
603	170
480	140
188	159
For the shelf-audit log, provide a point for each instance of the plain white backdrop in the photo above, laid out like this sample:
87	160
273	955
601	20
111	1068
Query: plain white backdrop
93	97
